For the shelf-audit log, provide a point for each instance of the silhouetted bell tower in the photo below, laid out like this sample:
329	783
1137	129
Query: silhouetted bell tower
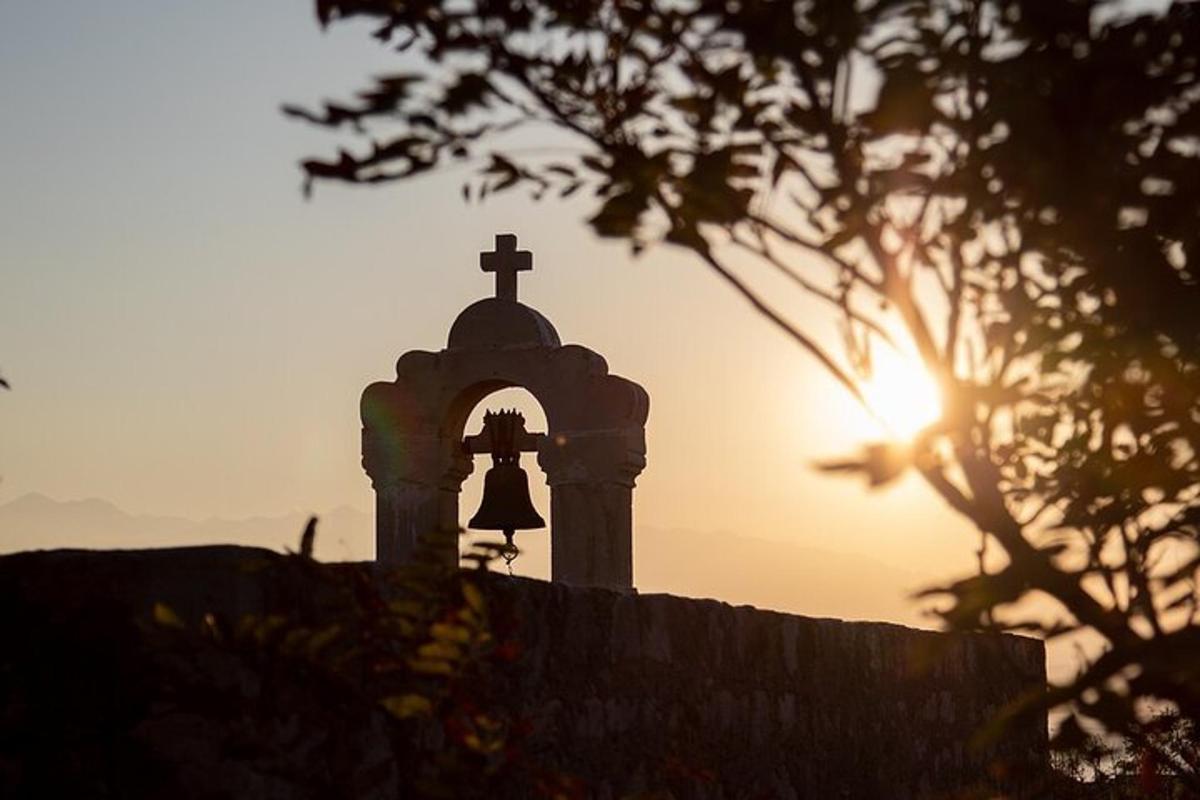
416	455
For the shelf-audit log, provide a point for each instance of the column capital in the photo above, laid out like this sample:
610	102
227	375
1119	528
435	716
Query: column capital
614	456
390	459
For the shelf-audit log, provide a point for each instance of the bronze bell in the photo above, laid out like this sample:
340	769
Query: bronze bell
506	505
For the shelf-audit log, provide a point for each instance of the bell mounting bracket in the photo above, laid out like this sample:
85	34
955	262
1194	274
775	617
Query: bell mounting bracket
503	436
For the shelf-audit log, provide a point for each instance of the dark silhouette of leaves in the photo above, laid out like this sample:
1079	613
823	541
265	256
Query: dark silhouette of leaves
308	538
1008	189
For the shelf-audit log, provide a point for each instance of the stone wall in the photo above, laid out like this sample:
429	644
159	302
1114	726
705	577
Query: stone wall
618	687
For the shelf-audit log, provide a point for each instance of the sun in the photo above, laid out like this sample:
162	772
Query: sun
902	395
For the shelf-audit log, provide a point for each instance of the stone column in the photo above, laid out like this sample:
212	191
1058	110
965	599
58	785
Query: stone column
404	512
416	481
591	476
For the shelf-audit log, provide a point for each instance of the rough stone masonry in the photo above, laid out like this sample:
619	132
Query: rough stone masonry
617	684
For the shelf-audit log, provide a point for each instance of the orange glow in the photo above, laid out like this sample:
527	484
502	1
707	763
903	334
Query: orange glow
902	394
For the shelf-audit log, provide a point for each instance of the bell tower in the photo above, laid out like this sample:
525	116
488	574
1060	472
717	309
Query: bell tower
416	454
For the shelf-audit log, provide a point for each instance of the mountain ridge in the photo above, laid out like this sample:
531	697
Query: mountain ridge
727	566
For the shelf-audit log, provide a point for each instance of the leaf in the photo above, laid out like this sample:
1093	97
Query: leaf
486	747
308	539
881	462
454	634
422	121
469	91
976	597
165	616
404	706
904	103
500	165
322	639
427	667
474	597
439	649
620	214
269	626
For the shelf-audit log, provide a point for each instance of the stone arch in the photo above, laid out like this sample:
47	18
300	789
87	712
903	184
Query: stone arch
593	450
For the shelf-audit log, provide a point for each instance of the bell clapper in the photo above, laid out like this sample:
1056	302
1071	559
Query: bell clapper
510	551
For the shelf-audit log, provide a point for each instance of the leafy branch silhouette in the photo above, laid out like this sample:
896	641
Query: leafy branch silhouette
1008	189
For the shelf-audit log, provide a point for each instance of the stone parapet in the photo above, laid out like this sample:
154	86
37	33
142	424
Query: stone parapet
622	690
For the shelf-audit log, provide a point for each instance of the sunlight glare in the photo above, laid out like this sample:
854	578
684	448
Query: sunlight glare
902	394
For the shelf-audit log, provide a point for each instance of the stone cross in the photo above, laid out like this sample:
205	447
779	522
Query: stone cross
506	261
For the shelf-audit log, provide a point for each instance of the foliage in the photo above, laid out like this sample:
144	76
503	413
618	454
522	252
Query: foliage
347	680
1101	767
1008	189
418	644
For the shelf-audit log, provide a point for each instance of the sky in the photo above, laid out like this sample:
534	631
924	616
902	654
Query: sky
186	335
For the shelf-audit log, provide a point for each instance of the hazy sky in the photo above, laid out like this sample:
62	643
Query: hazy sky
185	334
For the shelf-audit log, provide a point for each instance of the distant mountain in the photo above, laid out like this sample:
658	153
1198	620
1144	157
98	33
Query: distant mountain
775	575
736	569
37	522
